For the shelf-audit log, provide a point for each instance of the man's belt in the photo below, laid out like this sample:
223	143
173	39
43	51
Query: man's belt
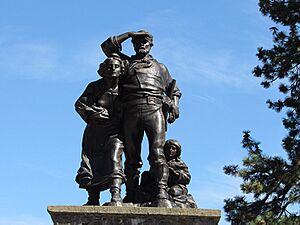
150	100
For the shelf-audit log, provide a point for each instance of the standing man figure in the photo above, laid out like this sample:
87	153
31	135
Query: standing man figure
142	89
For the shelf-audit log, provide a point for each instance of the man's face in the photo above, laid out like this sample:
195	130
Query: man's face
113	68
142	46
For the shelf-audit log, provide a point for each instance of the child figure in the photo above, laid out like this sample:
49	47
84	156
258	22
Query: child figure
179	176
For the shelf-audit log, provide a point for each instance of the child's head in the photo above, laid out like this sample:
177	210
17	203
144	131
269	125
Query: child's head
172	149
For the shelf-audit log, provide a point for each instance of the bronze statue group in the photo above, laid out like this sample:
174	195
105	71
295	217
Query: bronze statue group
135	96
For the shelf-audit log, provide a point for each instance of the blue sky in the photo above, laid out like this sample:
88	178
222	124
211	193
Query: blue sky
49	52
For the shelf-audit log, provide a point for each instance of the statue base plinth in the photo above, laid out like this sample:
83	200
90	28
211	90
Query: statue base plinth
111	215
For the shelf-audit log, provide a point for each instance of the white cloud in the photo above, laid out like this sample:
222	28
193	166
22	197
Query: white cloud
34	59
203	99
193	63
26	58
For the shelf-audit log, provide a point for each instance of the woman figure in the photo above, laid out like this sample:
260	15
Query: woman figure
102	148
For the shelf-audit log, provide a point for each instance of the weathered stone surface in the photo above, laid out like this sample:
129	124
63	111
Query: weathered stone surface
109	215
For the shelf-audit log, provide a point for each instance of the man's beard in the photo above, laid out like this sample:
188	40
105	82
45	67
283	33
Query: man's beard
142	50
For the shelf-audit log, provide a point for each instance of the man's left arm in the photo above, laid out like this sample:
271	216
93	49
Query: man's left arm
173	92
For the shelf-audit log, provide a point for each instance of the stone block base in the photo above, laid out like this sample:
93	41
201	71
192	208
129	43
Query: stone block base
110	215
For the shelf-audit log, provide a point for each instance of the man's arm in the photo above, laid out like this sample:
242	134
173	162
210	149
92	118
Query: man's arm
114	44
173	92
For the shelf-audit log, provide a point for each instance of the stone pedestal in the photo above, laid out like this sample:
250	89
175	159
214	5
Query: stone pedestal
109	215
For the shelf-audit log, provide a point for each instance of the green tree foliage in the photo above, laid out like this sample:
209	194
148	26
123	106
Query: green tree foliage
271	184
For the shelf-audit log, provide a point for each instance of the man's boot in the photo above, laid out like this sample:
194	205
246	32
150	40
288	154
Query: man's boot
94	196
131	185
130	193
162	200
161	173
115	191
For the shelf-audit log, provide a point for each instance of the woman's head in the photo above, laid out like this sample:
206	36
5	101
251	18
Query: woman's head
111	67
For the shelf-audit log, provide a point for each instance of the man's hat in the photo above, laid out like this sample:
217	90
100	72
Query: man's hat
146	36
